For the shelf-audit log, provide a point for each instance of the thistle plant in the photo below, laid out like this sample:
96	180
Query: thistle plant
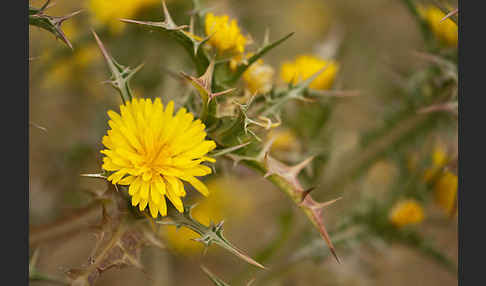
237	113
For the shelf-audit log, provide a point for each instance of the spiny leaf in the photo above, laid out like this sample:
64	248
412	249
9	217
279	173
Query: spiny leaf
203	84
257	159
312	208
167	25
208	234
120	75
190	42
260	53
273	106
216	280
50	23
221	152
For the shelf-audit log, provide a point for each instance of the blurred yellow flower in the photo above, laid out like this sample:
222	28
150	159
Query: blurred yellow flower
225	35
259	77
221	204
306	66
284	139
446	30
108	12
439	160
67	69
70	29
445	190
151	150
406	212
318	13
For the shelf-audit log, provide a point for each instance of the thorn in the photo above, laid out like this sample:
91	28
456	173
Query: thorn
219	226
38	126
167	18
101	46
306	193
45	6
333	251
223	92
266	37
295	170
154	24
450	14
100	176
266	150
64	18
167	24
325	204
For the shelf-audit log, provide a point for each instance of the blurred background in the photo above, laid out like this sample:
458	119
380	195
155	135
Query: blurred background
373	41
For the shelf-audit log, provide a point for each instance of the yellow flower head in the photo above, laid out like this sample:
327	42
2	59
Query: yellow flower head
108	12
153	151
445	30
406	212
445	190
223	203
259	77
306	66
225	35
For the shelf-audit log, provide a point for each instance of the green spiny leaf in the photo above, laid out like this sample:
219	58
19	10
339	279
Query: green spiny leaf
50	23
190	42
260	53
221	152
120	75
208	234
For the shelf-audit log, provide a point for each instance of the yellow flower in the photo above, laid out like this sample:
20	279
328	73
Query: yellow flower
108	12
218	206
406	212
151	150
439	160
445	190
445	30
259	77
306	66
225	35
